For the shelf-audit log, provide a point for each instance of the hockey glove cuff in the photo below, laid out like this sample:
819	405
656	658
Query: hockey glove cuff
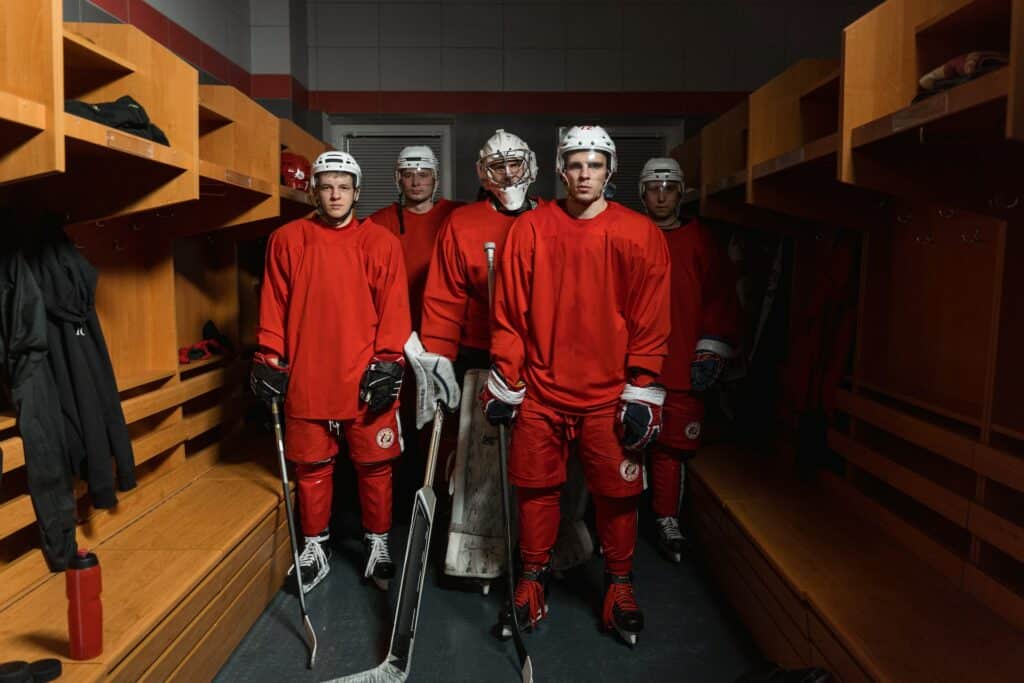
435	381
268	377
499	400
382	382
640	415
708	363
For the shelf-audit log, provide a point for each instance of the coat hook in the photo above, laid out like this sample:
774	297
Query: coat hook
135	227
926	238
972	239
997	202
117	245
903	218
99	224
946	213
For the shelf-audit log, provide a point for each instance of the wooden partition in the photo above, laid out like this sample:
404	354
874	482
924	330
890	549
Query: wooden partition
688	156
958	147
31	90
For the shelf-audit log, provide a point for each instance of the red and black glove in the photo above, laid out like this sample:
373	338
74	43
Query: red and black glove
382	382
640	415
269	377
499	400
708	363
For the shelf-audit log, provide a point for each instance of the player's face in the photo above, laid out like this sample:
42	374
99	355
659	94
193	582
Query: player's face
661	198
507	171
585	174
337	194
417	185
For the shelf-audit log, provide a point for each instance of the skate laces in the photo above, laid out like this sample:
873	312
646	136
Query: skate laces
530	593
670	528
312	553
622	596
379	552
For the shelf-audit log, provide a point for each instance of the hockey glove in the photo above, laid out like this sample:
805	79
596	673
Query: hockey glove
708	363
435	381
268	377
500	401
381	383
640	415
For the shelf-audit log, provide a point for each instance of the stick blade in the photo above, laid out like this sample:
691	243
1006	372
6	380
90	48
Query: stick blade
528	671
385	672
311	639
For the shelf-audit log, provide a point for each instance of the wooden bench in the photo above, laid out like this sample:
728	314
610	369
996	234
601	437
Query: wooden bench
818	584
181	584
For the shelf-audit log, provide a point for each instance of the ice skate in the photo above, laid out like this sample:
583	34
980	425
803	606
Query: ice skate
621	613
314	562
530	601
379	566
670	539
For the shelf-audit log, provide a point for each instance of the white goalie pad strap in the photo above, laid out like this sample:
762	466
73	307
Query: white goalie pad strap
435	380
653	395
502	391
715	346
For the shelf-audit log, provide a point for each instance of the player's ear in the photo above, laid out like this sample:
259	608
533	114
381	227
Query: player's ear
355	195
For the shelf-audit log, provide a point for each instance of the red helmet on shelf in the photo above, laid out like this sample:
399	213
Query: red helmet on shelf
295	171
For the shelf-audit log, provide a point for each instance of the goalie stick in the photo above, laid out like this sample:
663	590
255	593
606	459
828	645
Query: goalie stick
525	663
310	632
395	667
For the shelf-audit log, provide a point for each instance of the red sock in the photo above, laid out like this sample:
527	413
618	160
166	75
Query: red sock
539	514
616	527
374	482
315	483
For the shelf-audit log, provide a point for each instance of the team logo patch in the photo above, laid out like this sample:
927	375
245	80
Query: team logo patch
386	437
629	470
692	431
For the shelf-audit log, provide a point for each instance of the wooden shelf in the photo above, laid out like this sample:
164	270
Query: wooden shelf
135	381
726	184
201	364
1010	432
80	53
221	175
8	420
290	194
823	148
111	144
22	111
960	110
939	405
826	88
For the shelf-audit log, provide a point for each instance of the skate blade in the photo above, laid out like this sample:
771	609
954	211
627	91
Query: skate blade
382	584
629	637
313	583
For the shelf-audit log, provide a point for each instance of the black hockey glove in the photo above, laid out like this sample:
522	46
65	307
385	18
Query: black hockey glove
381	383
269	378
640	415
500	402
708	363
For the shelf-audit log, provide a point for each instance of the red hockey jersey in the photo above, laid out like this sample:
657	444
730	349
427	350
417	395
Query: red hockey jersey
331	300
417	237
456	305
580	301
704	301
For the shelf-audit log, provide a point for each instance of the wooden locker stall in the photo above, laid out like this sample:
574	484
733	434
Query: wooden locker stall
906	564
192	554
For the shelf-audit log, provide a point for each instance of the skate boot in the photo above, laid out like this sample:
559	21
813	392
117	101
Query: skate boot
670	539
621	612
530	600
314	562
379	566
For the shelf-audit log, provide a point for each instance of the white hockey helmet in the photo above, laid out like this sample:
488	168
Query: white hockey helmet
416	157
587	138
496	156
338	162
661	169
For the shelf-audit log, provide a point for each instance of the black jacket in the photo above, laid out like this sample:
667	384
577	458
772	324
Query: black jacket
94	426
34	395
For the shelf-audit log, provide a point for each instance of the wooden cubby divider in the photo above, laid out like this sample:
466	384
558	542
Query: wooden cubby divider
689	158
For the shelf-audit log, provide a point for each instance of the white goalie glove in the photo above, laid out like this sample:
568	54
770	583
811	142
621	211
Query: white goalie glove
435	381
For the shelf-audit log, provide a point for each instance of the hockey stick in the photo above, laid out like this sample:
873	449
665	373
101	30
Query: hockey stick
524	657
310	633
395	667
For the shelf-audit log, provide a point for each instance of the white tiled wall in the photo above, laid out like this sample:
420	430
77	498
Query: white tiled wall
222	24
569	45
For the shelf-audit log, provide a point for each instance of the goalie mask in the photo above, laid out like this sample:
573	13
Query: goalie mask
506	168
587	138
663	172
416	158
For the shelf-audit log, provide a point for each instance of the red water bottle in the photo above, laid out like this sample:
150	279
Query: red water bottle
85	610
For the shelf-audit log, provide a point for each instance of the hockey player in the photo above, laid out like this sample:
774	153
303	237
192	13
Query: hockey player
704	322
334	315
580	329
456	326
416	217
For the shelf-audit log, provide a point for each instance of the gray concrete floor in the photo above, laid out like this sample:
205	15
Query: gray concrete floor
691	633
